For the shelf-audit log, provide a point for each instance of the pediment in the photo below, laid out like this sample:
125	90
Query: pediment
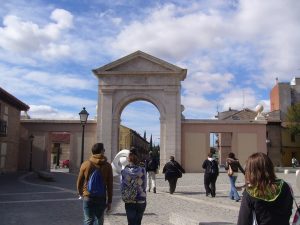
138	62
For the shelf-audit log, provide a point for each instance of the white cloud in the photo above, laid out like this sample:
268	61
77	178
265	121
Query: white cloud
204	83
166	34
60	81
48	112
26	37
238	99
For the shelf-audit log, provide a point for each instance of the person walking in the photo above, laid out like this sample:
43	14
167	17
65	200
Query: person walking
94	204
266	199
294	162
133	189
151	166
233	166
210	175
172	171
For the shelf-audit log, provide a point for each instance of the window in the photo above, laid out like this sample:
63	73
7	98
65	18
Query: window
3	128
293	138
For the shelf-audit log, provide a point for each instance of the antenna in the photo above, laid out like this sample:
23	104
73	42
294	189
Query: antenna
243	98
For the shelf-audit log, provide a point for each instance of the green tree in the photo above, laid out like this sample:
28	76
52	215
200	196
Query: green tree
293	119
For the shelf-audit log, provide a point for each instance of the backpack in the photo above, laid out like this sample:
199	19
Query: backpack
129	187
212	167
95	185
152	165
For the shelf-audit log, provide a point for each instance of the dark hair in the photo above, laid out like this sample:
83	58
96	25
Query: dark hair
210	154
133	157
172	158
231	155
98	148
260	173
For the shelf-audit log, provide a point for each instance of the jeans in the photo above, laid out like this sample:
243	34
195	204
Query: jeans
233	194
135	212
151	180
93	210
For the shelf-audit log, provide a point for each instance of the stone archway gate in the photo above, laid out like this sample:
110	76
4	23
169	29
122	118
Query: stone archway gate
140	76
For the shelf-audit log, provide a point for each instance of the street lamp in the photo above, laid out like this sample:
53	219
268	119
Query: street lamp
83	119
31	137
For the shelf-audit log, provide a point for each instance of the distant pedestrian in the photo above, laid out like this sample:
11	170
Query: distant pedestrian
233	166
266	199
172	171
294	162
210	175
133	189
151	166
95	185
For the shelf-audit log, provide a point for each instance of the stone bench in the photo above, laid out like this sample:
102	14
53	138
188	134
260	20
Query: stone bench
45	175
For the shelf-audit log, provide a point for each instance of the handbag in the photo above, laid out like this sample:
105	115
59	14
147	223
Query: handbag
230	171
296	219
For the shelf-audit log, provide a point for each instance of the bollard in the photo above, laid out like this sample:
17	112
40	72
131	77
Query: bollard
297	172
286	171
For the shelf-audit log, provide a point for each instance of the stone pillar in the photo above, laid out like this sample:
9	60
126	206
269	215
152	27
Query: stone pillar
104	122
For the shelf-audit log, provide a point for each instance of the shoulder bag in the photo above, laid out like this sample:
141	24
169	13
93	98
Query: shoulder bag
230	171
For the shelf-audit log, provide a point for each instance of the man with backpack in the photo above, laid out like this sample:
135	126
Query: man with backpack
151	166
210	175
95	186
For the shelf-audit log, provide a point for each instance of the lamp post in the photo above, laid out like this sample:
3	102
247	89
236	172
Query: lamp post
83	119
31	137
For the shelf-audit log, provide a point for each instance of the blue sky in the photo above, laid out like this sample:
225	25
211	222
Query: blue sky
233	51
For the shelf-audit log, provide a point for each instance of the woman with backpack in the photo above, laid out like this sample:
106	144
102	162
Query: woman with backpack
233	166
210	175
266	199
133	189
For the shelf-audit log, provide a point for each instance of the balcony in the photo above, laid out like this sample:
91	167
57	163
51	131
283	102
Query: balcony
3	128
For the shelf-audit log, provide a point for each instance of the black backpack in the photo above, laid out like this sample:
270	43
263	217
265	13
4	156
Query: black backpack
212	167
152	164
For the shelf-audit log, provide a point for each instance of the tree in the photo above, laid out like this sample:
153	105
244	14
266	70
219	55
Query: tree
293	119
151	145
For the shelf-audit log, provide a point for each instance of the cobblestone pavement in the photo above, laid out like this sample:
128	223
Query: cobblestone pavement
27	200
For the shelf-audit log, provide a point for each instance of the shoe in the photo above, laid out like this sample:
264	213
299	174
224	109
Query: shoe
237	200
149	190
154	190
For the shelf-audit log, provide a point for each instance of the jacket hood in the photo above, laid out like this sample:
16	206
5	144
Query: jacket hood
98	159
270	195
133	170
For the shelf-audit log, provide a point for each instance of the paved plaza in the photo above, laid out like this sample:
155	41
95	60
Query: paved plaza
27	200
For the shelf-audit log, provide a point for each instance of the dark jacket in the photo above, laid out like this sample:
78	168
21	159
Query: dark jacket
234	164
88	167
275	208
173	169
151	164
209	165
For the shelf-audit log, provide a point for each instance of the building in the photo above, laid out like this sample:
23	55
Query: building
10	113
129	138
282	96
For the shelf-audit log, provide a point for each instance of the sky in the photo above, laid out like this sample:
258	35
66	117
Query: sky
233	51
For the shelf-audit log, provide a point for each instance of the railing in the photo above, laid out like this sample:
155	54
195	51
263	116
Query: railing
3	128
